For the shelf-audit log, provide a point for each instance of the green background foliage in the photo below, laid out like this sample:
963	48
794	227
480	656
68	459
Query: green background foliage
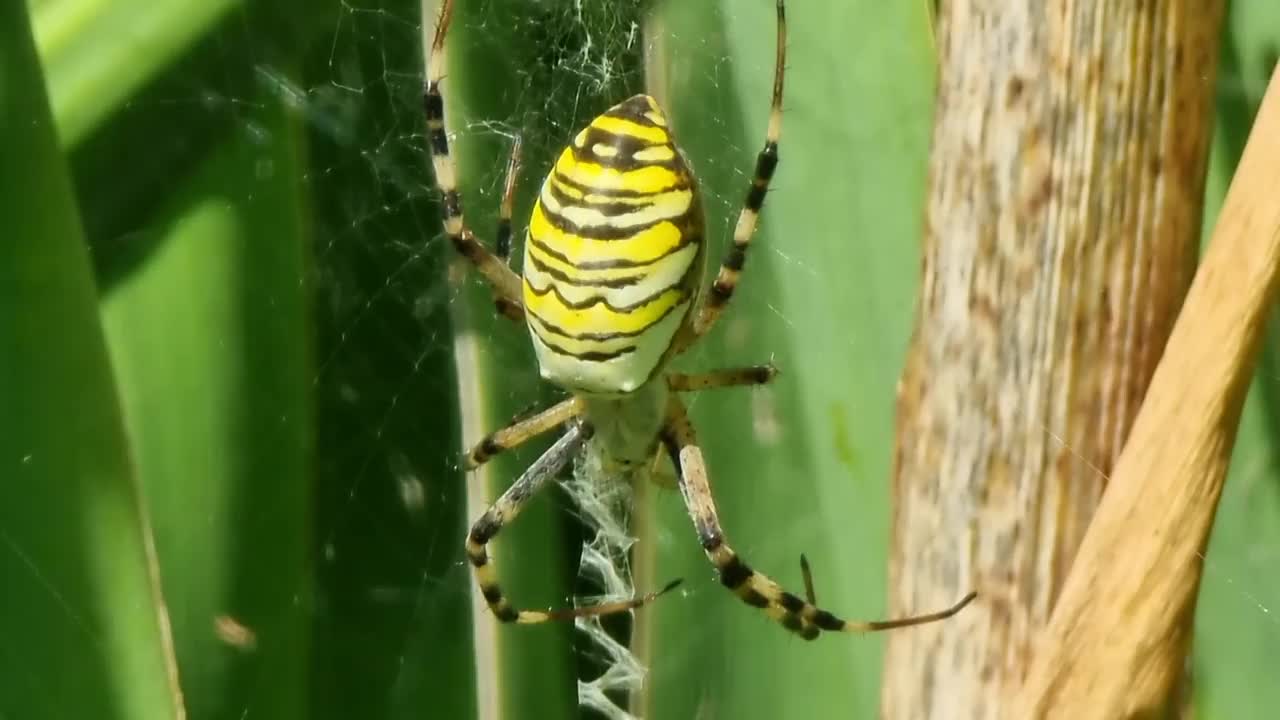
227	360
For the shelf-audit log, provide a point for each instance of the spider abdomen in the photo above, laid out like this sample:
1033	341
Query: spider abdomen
614	253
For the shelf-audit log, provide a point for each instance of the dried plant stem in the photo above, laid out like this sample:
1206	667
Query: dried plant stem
1067	172
1115	644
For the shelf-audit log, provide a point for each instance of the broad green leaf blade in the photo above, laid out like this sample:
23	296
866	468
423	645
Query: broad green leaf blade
827	294
209	338
84	623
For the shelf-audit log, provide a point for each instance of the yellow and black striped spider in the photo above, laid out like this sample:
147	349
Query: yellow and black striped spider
613	260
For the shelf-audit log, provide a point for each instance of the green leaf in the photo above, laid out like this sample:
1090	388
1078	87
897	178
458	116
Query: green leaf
209	339
199	234
84	622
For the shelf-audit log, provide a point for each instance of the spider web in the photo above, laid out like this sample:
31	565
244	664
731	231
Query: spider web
390	503
581	58
585	57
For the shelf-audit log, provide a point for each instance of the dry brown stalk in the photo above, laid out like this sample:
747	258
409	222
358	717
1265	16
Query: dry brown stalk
1064	210
1115	644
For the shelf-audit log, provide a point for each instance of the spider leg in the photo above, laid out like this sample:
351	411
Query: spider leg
505	510
722	378
731	268
696	382
506	307
691	475
809	593
504	281
502	238
791	611
522	430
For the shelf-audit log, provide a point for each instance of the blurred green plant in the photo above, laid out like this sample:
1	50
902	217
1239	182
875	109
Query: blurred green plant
270	365
84	633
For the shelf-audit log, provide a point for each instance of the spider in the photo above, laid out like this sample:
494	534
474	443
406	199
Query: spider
609	291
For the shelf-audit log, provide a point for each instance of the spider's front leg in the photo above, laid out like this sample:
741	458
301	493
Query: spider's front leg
726	281
504	281
793	612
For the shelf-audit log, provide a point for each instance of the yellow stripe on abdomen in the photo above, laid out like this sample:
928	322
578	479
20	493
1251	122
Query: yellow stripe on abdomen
598	318
599	176
582	249
602	211
611	124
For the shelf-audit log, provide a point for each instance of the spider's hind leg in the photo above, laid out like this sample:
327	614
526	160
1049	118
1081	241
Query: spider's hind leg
522	430
756	589
505	510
